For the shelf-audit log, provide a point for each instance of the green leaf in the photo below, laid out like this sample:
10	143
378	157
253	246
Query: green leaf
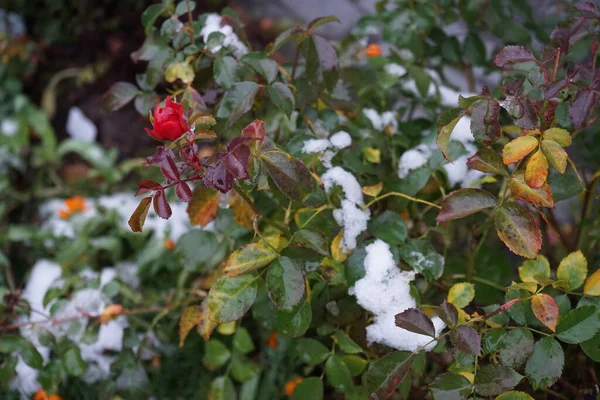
242	341
416	321
494	379
309	388
182	7
225	71
389	227
421	77
347	345
355	364
313	240
7	369
12	342
283	98
237	101
216	354
487	160
573	270
285	283
466	339
249	389
463	202
532	270
295	323
266	67
474	49
338	374
221	388
592	347
492	340
516	227
119	95
385	374
73	361
150	15
289	174
516	345
423	258
321	61
317	22
198	249
579	325
249	258
461	294
545	365
564	186
311	351
242	369
445	125
514	395
450	386
231	297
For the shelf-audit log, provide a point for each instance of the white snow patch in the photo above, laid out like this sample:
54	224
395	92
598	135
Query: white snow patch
413	159
383	120
395	69
327	147
214	24
385	291
341	140
350	216
8	127
79	127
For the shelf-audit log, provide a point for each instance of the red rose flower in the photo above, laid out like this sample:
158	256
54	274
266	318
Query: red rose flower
168	122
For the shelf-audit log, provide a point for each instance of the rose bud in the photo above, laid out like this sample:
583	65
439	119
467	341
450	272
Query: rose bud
168	122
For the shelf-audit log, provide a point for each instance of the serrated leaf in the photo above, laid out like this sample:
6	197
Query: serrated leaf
242	341
580	107
466	339
289	174
536	172
73	362
445	125
516	227
591	347
573	270
243	213
556	155
137	219
225	71
592	285
415	320
237	101
346	343
423	258
545	365
231	297
266	67
538	196
385	374
579	325
494	379
461	294
450	386
515	347
389	227
448	313
519	148
317	22
313	240
295	323
487	160
485	125
513	54
283	98
559	135
190	317
531	270
463	202
150	15
285	283
249	258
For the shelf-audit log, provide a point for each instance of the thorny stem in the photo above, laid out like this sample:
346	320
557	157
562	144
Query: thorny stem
375	200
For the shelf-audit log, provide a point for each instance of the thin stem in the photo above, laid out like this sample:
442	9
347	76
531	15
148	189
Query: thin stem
472	260
296	55
586	207
191	20
480	280
375	200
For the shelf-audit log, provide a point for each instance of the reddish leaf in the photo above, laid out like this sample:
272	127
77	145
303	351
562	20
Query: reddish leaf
448	313
518	149
216	175
555	87
236	159
487	160
538	196
545	309
580	107
203	206
183	191
513	54
161	205
463	202
165	161
536	172
415	320
466	339
289	174
484	121
516	227
588	7
522	111
256	129
137	219
146	185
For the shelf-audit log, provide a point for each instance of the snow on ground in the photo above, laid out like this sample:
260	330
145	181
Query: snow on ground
385	291
214	23
327	148
79	127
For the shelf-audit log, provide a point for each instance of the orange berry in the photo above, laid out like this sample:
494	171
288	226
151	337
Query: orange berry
110	312
55	397
73	205
40	395
272	340
169	244
291	385
373	50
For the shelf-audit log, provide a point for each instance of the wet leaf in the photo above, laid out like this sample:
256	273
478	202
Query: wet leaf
289	174
461	294
311	351
423	258
119	95
513	54
385	374
485	124
448	313
555	154
313	240
249	258
225	71
295	323
545	365
161	205
231	297
266	67
518	149
389	227
450	386
415	320
183	192
538	196
283	98
516	227
237	101
494	379
463	202
487	160
466	339
516	345
338	374
579	325
285	283
536	172
580	107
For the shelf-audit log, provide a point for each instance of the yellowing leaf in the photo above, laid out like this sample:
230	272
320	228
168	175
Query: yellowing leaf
559	135
372	155
203	207
518	149
206	325
511	129
521	190
469	375
190	317
461	294
336	251
536	172
531	287
226	328
532	270
516	227
249	258
374	190
242	212
555	154
573	270
592	285
545	309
